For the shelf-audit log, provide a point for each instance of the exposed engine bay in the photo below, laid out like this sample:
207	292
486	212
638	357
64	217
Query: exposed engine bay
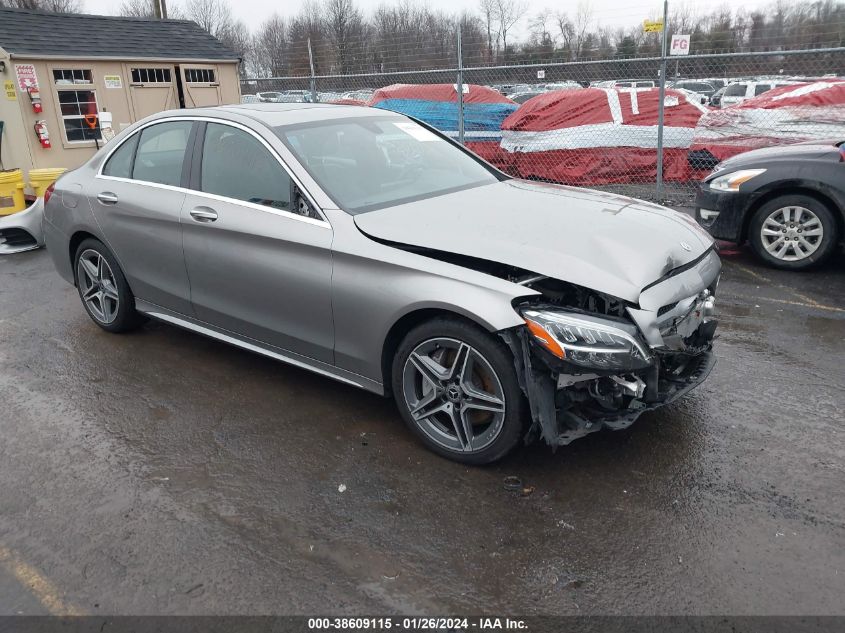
572	390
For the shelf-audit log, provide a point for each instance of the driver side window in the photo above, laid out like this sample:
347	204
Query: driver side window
236	165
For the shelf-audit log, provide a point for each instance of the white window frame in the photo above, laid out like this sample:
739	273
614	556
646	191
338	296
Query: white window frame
81	87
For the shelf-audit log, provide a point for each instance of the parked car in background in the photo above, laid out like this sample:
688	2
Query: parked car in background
717	82
788	202
561	85
625	83
265	226
716	98
268	97
740	91
359	95
250	99
522	97
702	89
293	96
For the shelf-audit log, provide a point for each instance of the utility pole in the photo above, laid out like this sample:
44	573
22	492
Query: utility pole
459	86
313	77
160	9
661	106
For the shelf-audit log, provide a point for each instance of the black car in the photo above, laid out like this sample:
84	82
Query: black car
787	201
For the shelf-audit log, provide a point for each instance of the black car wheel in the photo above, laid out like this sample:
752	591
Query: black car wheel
456	388
103	288
794	232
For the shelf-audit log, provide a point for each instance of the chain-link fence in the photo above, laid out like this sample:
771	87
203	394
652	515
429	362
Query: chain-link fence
597	123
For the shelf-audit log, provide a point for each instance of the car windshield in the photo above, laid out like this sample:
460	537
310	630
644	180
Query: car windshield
369	163
735	90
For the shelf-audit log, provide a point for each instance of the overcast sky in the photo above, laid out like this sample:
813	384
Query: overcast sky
610	13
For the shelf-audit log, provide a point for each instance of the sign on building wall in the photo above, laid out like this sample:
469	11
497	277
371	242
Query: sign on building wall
26	76
9	89
112	81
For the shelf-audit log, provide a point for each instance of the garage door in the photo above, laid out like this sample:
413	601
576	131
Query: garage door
152	88
200	86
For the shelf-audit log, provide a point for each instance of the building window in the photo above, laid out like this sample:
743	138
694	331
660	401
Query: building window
199	75
150	75
66	76
79	115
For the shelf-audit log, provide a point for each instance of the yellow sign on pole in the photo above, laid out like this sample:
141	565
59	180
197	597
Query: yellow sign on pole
9	87
652	27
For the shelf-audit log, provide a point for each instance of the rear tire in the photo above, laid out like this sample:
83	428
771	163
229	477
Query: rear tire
457	390
794	232
103	288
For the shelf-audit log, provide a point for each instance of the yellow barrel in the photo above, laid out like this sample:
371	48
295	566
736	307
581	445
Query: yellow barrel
11	192
40	179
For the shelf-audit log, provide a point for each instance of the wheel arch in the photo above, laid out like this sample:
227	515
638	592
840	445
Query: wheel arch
791	189
409	321
73	245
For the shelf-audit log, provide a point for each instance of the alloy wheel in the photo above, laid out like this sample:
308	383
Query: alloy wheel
453	394
792	233
97	286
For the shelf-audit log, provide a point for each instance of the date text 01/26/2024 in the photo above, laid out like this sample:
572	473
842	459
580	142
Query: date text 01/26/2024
416	624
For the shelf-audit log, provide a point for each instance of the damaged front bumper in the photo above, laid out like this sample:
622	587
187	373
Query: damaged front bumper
568	402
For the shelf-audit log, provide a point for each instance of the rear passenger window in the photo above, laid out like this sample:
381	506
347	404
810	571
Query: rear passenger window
161	152
761	88
236	165
119	164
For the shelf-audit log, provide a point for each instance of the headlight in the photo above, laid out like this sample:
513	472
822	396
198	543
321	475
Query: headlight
587	341
732	181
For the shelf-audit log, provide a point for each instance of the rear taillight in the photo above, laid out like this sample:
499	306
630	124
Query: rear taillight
49	192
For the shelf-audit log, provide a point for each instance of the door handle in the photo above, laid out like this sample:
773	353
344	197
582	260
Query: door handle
204	214
107	197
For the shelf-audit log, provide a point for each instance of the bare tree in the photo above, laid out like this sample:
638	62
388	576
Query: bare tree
508	14
270	49
137	9
488	14
345	26
215	16
539	27
54	6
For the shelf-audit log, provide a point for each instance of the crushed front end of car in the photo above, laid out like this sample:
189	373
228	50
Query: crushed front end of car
588	361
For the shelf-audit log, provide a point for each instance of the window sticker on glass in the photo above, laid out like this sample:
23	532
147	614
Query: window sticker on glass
416	131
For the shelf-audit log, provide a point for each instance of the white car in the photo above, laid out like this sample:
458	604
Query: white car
562	85
742	90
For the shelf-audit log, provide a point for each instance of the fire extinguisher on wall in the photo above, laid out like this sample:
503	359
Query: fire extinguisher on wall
35	97
42	133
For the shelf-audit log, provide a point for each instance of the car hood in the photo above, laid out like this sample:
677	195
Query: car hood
798	151
605	242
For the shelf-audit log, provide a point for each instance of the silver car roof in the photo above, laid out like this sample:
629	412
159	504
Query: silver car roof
281	114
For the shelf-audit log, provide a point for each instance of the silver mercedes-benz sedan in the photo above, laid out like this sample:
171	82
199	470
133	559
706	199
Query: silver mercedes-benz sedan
370	248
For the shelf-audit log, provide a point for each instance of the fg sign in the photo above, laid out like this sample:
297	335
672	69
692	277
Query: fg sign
680	45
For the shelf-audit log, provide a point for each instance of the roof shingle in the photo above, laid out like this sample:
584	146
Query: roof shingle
69	35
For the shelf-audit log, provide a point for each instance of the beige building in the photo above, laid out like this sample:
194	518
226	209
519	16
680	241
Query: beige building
83	78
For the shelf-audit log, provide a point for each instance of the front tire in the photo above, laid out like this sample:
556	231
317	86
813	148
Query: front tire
103	288
794	232
457	390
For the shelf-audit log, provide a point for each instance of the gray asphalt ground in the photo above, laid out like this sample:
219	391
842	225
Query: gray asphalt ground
161	472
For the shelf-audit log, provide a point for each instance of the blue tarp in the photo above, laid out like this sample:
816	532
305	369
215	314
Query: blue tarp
478	117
